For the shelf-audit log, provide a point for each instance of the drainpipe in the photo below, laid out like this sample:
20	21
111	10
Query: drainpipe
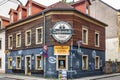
44	42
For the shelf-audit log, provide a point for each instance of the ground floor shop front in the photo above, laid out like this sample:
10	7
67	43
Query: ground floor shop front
48	63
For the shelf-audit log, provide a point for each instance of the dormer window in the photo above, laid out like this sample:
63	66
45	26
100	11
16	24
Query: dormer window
29	10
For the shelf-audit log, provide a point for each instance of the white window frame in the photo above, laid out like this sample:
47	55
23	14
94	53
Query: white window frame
1	23
96	32
20	14
27	39
29	10
11	18
41	62
10	47
85	28
17	39
97	62
87	9
11	58
1	43
86	63
17	62
37	35
66	62
0	63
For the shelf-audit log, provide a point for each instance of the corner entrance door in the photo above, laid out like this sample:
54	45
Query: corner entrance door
28	65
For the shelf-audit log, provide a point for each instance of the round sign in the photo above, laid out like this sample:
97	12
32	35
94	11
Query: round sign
52	59
62	31
45	47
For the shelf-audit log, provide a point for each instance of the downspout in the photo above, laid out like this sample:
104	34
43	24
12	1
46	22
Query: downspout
44	42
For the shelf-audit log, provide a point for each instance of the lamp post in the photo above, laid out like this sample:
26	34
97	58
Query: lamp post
73	50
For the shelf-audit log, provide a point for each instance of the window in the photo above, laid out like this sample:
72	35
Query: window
18	40
10	42
29	10
0	62
0	24
84	62
87	9
20	15
9	62
85	35
18	62
39	62
39	35
28	38
97	61
97	43
11	18
0	44
62	62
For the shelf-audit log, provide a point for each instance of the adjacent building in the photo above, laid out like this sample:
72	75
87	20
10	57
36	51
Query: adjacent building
3	22
57	37
108	14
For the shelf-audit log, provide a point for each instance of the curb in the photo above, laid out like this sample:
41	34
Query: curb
107	76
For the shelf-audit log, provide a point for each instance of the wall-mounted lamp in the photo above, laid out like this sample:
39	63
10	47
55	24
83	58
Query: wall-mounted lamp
94	54
22	56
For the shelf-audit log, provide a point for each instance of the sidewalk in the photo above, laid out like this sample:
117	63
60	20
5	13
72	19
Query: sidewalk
21	77
99	76
17	77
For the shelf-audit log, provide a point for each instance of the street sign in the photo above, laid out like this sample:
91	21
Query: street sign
45	47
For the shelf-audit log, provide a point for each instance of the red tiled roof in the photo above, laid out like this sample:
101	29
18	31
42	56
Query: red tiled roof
5	18
60	4
36	3
80	2
39	4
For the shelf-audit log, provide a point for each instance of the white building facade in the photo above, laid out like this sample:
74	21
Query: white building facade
108	15
2	49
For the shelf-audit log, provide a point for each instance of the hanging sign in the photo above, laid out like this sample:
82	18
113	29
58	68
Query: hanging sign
62	31
61	50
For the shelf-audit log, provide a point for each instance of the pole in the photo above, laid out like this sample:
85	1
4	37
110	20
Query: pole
44	41
71	56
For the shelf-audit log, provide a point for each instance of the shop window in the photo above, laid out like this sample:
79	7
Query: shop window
0	44
84	62
9	62
97	61
39	35
97	41
39	62
10	42
18	62
62	62
28	38
18	40
85	35
0	62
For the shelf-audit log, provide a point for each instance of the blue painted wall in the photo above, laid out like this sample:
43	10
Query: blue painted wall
51	67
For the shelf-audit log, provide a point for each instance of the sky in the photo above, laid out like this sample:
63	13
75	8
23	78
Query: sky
5	9
114	3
